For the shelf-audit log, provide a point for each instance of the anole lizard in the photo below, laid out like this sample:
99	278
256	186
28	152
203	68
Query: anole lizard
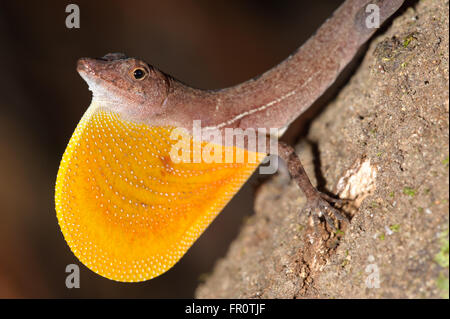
129	212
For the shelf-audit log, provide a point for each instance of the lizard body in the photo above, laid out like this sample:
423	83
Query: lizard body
126	209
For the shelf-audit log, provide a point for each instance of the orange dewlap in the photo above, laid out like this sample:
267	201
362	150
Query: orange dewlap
125	209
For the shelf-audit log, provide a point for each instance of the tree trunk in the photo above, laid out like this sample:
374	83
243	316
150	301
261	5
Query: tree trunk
383	143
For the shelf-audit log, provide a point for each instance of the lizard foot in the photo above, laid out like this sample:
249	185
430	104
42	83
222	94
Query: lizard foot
320	206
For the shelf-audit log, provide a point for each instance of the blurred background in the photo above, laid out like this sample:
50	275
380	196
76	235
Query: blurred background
206	44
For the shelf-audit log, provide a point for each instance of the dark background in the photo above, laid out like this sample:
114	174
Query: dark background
206	44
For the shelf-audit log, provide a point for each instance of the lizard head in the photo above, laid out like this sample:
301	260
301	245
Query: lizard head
125	85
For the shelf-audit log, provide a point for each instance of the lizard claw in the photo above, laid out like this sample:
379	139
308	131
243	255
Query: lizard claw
319	206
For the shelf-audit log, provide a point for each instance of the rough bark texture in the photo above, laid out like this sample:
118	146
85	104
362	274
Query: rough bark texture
383	143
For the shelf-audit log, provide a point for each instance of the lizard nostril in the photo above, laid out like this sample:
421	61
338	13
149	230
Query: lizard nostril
83	64
113	56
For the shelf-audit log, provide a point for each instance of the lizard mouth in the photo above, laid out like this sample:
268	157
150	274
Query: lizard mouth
90	70
87	65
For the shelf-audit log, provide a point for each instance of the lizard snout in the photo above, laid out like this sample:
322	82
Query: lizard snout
84	65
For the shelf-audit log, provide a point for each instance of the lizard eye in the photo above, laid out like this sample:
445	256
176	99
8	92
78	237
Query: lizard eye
139	73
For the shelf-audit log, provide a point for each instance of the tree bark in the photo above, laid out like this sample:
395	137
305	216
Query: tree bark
383	143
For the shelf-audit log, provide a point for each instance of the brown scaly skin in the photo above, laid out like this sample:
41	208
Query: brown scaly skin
273	100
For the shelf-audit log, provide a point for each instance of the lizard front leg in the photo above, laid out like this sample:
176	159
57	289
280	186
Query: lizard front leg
318	204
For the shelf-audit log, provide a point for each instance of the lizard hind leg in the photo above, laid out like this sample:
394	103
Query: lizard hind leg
318	204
